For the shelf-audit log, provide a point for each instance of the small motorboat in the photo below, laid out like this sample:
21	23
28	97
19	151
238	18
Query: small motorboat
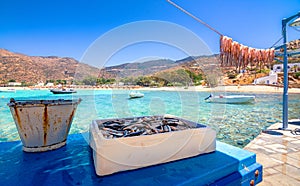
63	91
234	99
136	95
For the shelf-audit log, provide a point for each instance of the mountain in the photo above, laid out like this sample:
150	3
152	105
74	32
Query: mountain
33	69
187	59
139	69
192	63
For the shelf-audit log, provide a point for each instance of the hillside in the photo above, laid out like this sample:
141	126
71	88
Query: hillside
140	69
34	69
195	64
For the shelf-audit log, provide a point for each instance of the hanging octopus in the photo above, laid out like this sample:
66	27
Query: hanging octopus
225	50
235	54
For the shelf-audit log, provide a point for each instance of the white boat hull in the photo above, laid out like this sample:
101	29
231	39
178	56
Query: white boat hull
231	99
136	95
63	91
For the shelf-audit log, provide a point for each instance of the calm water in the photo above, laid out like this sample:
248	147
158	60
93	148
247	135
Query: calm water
237	124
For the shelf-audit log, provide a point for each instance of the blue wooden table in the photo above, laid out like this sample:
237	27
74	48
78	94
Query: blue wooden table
73	165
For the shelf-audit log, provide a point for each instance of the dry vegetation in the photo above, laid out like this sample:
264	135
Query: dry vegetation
34	69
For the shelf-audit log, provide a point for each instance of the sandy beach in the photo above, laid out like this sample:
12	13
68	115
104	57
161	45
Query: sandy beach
227	88
245	88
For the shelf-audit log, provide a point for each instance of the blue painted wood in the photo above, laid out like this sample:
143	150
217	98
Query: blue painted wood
73	165
285	72
288	54
242	177
285	96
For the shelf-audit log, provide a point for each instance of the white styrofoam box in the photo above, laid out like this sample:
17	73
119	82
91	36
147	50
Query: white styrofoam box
127	153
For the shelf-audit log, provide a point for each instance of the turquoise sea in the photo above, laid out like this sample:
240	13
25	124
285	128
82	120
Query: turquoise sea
236	124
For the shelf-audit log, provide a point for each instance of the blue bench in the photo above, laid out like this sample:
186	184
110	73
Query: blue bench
73	165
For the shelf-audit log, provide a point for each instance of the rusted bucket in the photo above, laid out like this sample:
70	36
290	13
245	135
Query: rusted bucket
43	124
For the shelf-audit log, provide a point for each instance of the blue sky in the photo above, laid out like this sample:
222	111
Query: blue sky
68	28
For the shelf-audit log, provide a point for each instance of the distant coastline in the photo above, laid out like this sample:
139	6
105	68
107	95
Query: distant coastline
230	88
227	88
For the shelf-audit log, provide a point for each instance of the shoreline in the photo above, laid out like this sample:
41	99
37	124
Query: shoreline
229	88
226	88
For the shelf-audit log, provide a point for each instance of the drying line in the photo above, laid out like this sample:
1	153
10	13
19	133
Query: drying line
276	42
194	17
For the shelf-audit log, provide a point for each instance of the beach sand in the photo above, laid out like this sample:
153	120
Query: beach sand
227	88
231	88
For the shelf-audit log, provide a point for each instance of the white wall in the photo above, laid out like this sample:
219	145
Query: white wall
14	84
269	80
279	67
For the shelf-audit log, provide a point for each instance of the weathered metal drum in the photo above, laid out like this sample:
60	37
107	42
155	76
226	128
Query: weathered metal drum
43	124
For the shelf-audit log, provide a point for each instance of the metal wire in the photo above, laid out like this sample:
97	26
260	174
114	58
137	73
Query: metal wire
194	17
277	42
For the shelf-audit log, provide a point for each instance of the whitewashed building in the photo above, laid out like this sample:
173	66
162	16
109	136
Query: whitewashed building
271	79
291	66
14	84
49	84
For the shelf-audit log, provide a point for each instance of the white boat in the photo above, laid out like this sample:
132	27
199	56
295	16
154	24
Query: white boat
237	99
136	95
63	91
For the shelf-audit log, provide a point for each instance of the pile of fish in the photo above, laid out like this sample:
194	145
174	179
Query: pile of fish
148	125
235	54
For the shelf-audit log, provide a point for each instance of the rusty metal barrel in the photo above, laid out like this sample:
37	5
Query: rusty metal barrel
43	124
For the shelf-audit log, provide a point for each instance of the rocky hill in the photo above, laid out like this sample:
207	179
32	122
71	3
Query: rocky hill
197	64
140	68
34	69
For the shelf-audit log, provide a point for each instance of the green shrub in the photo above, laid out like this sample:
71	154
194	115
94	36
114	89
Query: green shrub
231	76
297	74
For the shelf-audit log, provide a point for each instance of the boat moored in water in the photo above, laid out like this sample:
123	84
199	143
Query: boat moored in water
233	99
136	95
63	91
